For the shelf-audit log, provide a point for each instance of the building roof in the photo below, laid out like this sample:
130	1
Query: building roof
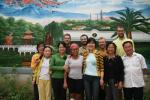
136	35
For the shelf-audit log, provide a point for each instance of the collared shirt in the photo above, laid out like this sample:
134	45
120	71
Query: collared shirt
133	70
119	42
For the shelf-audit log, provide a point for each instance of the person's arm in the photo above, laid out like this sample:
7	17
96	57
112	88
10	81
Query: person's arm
143	65
121	71
34	61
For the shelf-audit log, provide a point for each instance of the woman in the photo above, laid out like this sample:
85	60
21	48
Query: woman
93	71
73	73
57	63
43	75
34	63
113	73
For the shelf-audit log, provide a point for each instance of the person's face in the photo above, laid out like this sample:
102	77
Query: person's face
128	48
61	49
91	45
102	43
67	39
40	48
83	40
111	49
47	52
120	32
74	51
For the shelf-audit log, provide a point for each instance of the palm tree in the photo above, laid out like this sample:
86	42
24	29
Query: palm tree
132	20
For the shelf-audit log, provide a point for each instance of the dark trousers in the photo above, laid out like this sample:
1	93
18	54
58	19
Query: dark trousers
101	94
133	93
36	92
112	92
91	86
59	91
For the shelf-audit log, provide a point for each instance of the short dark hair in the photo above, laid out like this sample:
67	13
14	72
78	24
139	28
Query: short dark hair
113	45
48	46
127	42
67	35
61	42
84	35
91	40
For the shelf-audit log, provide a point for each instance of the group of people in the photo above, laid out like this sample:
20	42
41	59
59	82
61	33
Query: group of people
112	71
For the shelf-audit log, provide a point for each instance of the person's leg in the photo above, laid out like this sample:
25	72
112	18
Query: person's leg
108	93
101	94
115	92
36	92
87	87
128	93
62	90
79	89
95	87
138	93
41	88
48	89
56	90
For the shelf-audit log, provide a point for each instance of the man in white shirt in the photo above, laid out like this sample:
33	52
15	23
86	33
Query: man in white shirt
134	66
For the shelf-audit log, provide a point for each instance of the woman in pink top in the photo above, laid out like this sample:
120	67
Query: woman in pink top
73	73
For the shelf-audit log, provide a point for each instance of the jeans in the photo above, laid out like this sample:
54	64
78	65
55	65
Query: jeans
112	92
59	91
91	86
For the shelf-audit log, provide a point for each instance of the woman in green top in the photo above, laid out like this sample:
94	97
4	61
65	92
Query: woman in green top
57	63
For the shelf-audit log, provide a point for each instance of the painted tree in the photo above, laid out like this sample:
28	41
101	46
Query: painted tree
132	20
55	30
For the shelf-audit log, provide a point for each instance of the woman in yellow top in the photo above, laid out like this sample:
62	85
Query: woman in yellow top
93	70
34	63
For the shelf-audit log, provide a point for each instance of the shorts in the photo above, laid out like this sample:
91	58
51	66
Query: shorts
75	85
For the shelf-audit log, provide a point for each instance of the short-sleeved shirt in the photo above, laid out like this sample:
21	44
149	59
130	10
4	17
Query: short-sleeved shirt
133	70
75	67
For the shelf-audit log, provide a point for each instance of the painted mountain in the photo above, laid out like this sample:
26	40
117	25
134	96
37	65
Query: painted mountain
33	11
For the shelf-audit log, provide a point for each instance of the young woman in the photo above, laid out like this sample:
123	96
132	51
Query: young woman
113	73
93	71
73	73
43	75
57	63
34	63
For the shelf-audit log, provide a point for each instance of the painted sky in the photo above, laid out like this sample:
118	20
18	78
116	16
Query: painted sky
71	9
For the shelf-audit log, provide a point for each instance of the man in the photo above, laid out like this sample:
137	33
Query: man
121	38
102	50
102	46
134	66
67	40
83	39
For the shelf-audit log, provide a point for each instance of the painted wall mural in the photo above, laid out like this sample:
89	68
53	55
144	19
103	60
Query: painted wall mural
31	21
46	11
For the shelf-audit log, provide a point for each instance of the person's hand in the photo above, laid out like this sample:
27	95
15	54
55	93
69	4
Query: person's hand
120	85
66	68
102	83
33	82
37	61
65	85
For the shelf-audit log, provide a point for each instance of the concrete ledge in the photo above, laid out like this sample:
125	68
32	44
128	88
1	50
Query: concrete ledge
15	70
